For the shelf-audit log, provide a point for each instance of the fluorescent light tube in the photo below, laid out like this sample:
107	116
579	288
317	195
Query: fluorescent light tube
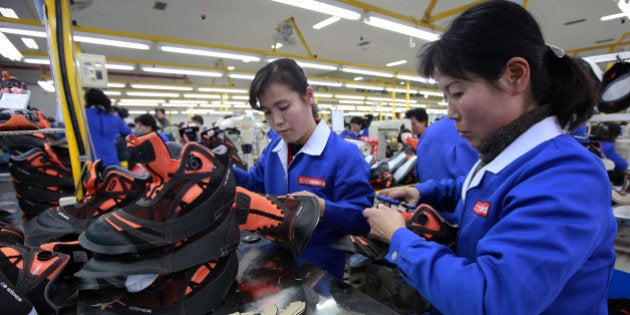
48	86
396	63
183	71
368	72
208	53
324	83
37	61
115	85
119	66
23	32
400	28
241	76
222	90
110	42
30	43
8	50
322	7
152	94
206	96
364	86
326	22
161	87
112	93
412	78
8	12
316	66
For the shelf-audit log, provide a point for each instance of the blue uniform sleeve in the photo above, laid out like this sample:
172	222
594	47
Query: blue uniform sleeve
123	129
549	227
608	148
442	194
351	194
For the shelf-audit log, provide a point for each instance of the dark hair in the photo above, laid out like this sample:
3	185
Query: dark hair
419	113
285	71
160	110
96	98
606	131
483	38
359	121
147	120
198	119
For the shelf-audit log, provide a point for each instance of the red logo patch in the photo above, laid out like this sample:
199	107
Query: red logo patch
312	181
481	208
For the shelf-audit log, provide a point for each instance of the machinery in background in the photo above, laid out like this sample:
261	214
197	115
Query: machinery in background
249	136
386	131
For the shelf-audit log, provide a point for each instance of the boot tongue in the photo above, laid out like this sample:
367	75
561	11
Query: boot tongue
151	151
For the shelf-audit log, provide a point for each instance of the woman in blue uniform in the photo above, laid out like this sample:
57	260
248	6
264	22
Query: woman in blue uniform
308	158
536	228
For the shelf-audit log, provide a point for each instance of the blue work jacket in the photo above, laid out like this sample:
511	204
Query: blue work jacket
104	129
536	233
329	167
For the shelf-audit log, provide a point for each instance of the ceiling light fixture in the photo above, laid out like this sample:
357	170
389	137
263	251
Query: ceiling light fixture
321	7
152	94
183	71
412	78
223	90
364	87
119	66
48	86
241	76
37	61
23	32
397	27
30	43
161	87
325	83
8	12
316	66
206	96
368	72
110	42
396	63
8	50
208	53
115	85
326	22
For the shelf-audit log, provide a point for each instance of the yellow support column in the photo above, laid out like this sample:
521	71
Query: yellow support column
62	56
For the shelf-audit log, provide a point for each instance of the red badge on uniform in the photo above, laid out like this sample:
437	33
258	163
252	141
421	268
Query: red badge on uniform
312	181
481	208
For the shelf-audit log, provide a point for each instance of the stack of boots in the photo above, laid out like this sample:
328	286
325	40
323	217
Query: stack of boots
41	176
197	290
187	194
31	271
289	220
105	188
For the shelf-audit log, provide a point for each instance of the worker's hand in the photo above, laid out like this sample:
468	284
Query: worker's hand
321	201
384	221
409	194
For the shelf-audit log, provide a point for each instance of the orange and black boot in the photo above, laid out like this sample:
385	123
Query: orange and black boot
287	220
197	290
187	194
423	221
106	188
224	149
426	222
31	271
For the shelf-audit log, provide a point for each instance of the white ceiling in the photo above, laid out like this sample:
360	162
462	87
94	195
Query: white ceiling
250	24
